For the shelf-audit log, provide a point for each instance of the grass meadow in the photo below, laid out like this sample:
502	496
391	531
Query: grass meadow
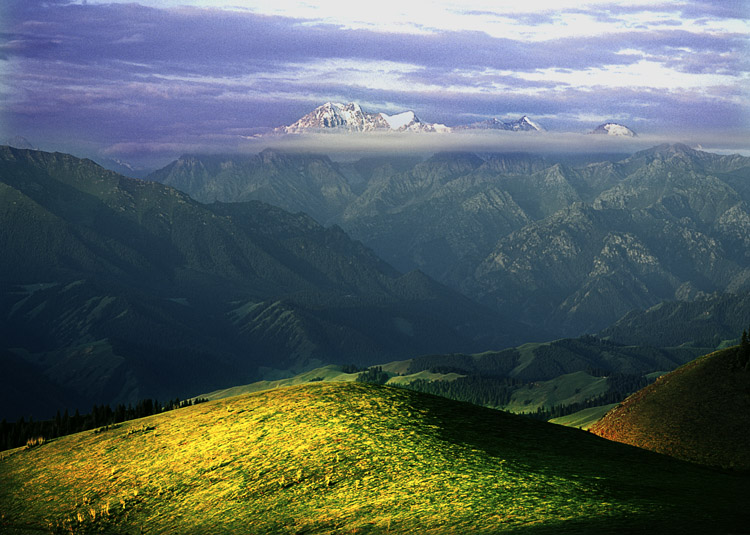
356	458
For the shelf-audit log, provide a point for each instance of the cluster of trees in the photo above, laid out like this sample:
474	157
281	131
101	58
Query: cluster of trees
17	434
556	411
625	383
743	352
477	389
374	374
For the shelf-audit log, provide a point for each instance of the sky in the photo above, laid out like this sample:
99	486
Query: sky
147	80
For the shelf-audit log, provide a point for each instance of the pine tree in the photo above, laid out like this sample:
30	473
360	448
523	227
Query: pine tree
744	351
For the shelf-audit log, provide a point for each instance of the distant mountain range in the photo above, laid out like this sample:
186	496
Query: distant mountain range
570	247
116	289
337	117
351	118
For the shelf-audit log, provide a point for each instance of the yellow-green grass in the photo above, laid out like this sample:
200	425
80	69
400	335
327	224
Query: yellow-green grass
356	458
330	373
585	418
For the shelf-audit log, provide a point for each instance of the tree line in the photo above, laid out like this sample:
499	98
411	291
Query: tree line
25	432
743	351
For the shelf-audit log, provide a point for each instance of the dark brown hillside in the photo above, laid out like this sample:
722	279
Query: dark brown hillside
700	412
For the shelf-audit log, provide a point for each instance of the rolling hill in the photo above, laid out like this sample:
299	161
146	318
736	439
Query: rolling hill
542	379
700	412
334	458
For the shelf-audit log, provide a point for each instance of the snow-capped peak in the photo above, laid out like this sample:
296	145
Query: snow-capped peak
335	115
400	120
533	126
524	124
338	117
614	129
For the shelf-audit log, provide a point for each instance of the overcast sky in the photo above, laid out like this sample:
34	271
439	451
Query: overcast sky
162	77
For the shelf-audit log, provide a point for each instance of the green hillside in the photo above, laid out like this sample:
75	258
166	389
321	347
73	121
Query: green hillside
585	418
353	458
700	412
549	378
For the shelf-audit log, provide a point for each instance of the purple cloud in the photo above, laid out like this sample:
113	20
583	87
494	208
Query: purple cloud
127	75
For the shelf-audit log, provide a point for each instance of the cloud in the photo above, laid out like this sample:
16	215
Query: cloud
127	75
343	146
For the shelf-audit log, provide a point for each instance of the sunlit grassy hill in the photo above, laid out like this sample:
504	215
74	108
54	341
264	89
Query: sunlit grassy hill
699	412
356	458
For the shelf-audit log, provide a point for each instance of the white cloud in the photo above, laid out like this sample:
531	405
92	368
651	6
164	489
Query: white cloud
644	73
489	141
498	18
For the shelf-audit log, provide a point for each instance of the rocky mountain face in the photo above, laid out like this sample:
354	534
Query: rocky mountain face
115	289
350	118
298	183
567	247
667	227
332	115
524	124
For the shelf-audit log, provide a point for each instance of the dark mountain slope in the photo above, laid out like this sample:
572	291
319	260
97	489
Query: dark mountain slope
295	182
666	223
544	361
705	322
172	294
698	413
666	230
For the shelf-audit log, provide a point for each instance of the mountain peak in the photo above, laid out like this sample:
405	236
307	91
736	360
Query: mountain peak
613	129
524	124
350	117
401	120
333	115
19	142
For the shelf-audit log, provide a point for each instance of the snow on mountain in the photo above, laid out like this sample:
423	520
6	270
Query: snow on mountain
334	116
524	124
613	129
400	120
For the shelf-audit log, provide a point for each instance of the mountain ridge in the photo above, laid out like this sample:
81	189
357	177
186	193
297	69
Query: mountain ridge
351	118
451	214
